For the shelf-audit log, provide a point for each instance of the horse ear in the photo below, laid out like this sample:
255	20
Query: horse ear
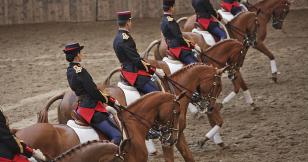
181	95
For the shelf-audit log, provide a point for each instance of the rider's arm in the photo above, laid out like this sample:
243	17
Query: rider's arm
92	89
134	57
176	32
209	8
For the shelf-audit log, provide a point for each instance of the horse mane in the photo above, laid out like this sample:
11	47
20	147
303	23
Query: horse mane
77	148
140	100
186	68
220	42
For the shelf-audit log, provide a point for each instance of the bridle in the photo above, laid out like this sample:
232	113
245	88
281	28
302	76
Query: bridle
231	67
277	19
202	102
249	39
166	129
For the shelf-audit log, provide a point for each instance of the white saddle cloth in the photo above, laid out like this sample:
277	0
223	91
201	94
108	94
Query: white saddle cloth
208	38
84	133
174	65
131	93
226	16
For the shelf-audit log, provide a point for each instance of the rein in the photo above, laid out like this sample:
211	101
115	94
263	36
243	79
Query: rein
195	96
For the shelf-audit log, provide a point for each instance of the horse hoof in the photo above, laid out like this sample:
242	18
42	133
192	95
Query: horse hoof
153	153
274	77
202	142
223	146
255	107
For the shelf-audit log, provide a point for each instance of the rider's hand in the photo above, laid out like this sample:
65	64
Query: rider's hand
198	48
111	110
37	154
160	72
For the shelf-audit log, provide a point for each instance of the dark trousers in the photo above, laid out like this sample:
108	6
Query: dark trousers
109	129
148	87
236	10
215	30
187	57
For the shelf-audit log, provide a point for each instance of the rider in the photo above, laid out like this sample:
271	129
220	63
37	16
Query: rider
231	6
204	11
13	149
136	71
178	46
91	99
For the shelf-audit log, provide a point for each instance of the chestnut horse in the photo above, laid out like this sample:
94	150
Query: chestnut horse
266	9
93	151
219	55
204	76
278	11
138	118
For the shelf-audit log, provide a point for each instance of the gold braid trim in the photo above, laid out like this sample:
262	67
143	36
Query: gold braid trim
105	96
145	64
19	145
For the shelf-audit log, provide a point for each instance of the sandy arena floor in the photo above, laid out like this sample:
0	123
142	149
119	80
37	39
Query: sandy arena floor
33	69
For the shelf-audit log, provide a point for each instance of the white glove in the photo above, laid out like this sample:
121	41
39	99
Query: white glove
111	110
197	48
37	154
160	72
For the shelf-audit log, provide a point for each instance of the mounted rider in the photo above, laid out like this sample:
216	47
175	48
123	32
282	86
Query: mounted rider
92	102
205	13
178	47
136	71
232	6
11	148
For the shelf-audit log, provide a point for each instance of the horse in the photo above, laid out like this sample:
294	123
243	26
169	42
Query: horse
278	11
265	10
159	107
94	151
219	55
205	77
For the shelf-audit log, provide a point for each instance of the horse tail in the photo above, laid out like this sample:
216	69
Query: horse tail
149	48
43	114
107	80
182	19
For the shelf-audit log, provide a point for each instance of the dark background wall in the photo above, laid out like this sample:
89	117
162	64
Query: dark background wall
40	11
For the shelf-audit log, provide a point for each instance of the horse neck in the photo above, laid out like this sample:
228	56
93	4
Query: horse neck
268	6
92	151
220	52
191	76
146	110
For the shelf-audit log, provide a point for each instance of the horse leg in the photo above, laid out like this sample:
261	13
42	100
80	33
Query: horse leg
245	89
168	153
216	122
237	85
184	149
262	48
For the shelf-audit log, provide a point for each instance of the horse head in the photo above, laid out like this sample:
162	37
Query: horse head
168	118
280	12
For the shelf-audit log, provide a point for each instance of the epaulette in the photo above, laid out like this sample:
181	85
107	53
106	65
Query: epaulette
169	18
125	36
77	68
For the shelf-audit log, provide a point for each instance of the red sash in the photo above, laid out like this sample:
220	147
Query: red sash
17	158
87	113
175	52
228	6
131	77
205	22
